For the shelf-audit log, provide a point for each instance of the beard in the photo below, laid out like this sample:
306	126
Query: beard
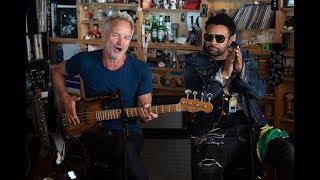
216	51
112	55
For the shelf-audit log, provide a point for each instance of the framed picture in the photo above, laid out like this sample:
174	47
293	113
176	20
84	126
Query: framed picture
288	3
66	21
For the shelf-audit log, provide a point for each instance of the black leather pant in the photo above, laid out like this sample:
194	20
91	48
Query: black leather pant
234	155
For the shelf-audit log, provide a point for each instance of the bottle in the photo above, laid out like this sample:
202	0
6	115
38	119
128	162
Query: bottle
174	61
99	15
193	36
167	20
154	33
147	27
161	30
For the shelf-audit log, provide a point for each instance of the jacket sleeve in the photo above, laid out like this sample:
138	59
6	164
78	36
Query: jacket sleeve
215	86
251	80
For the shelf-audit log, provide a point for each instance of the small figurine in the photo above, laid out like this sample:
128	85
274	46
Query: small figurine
156	4
95	33
181	4
162	64
173	4
165	4
87	37
289	103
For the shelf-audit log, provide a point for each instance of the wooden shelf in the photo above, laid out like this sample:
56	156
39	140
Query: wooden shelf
289	53
288	11
92	22
258	51
284	31
289	79
63	40
111	4
170	10
285	119
100	42
167	69
174	46
268	97
91	41
157	86
100	22
269	29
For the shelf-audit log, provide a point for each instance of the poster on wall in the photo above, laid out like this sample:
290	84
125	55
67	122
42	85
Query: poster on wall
67	21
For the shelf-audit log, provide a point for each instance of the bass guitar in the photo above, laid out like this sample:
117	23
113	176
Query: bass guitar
93	110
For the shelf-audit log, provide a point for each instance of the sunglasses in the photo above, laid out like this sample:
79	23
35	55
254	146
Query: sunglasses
219	38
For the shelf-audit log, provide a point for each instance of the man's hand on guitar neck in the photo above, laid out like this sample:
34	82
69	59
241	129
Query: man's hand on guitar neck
146	114
69	104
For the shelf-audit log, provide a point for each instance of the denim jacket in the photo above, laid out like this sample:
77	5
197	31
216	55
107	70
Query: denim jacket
199	75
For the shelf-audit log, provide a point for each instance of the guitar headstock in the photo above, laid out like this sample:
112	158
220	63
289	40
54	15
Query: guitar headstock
193	106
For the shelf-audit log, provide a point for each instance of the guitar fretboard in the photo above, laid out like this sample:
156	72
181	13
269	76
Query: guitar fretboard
42	121
132	112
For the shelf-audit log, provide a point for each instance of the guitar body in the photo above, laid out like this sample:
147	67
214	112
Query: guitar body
86	108
44	166
93	110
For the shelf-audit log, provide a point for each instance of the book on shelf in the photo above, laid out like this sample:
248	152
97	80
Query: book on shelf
29	51
254	16
35	47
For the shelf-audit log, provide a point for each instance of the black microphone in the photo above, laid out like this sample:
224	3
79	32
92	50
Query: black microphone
233	45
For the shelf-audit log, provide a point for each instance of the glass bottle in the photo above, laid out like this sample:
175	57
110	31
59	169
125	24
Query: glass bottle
161	30
154	27
147	27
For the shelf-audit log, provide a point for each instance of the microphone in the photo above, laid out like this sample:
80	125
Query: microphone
233	45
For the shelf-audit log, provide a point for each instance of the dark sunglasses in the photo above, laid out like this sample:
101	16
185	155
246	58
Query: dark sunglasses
219	38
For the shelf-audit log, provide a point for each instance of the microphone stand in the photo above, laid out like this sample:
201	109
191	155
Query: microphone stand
124	118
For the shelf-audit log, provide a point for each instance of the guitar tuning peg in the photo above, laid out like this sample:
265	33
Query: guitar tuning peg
195	94
202	95
209	96
187	92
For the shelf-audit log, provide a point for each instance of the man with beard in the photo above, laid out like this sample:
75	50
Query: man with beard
228	137
104	71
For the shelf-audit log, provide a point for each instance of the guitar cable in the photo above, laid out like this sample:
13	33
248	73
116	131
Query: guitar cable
28	140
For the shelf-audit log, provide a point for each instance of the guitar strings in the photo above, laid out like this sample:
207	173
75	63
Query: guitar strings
83	116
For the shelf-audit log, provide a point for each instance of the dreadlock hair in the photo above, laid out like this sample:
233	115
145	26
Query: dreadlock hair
222	19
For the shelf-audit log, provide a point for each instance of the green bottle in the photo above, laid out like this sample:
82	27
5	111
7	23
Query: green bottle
154	31
161	29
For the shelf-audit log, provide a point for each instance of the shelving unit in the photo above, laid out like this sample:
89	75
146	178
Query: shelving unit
275	98
283	120
177	49
86	24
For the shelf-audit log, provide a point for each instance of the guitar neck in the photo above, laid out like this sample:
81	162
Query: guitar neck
133	112
41	117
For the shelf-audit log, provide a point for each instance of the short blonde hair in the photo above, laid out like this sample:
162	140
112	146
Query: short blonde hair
123	16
